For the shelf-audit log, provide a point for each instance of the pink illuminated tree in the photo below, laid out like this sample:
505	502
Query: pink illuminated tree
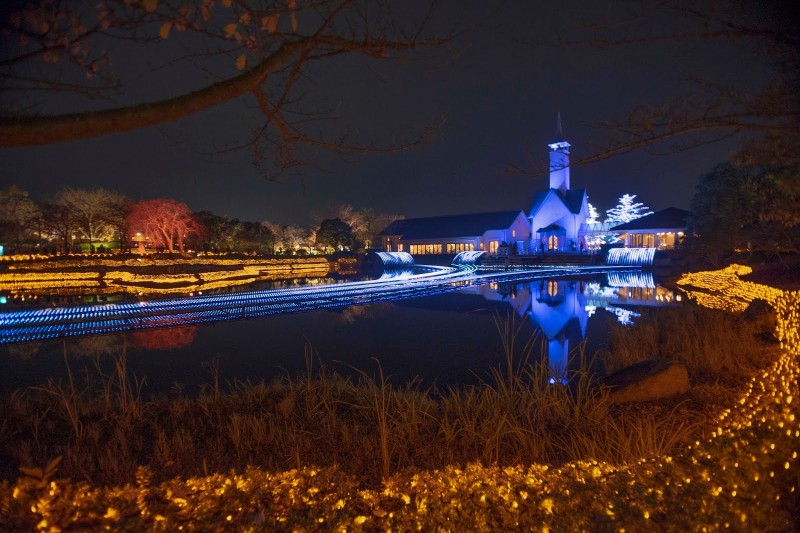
164	222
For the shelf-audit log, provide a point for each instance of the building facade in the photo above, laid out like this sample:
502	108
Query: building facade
661	230
552	224
456	233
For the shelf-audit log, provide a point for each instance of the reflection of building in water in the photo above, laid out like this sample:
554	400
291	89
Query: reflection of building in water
517	296
556	307
629	289
559	310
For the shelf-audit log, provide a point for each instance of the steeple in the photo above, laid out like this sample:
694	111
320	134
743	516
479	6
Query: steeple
559	159
559	129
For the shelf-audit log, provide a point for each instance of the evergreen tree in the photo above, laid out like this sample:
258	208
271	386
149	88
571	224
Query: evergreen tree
593	215
627	210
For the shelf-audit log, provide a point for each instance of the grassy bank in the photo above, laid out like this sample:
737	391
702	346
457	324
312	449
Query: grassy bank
104	429
364	454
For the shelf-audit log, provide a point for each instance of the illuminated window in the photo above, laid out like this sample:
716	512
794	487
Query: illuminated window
552	242
666	240
400	247
456	247
552	288
513	233
421	249
493	247
642	240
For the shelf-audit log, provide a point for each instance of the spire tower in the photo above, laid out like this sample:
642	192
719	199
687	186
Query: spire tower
559	160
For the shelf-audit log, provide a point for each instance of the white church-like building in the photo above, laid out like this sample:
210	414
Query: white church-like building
559	213
553	223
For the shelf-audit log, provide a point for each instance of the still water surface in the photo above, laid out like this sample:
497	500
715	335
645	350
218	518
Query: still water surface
445	339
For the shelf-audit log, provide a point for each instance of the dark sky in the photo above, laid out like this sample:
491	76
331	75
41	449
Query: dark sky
499	99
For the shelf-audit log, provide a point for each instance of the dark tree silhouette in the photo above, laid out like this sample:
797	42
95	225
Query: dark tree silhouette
260	51
333	233
739	207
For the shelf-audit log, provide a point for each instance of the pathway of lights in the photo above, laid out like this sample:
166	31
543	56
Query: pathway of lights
630	256
734	479
53	323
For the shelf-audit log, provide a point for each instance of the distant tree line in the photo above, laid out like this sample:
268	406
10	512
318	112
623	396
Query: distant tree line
98	220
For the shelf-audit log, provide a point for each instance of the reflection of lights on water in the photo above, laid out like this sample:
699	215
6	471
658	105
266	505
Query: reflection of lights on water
23	326
41	324
629	278
594	289
397	274
624	316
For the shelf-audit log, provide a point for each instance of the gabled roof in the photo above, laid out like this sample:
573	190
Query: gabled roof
671	217
552	228
572	199
470	225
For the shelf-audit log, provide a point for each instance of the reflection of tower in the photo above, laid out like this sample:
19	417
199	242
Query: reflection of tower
558	307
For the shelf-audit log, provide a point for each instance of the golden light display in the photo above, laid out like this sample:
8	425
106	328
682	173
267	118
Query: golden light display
743	477
108	276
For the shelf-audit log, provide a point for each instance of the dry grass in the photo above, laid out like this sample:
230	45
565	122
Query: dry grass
713	344
105	430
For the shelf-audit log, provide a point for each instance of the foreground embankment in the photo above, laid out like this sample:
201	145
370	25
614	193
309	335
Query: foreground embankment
743	475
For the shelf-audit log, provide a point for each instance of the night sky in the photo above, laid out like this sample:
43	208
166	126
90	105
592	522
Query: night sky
498	93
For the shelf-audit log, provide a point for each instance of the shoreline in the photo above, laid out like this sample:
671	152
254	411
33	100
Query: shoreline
726	478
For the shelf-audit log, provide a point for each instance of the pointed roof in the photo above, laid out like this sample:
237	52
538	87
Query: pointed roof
469	225
572	200
552	228
560	143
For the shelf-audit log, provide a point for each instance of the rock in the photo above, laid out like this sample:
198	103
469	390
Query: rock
762	318
653	379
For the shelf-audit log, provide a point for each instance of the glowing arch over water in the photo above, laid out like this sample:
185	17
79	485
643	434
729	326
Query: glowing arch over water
631	256
396	259
468	258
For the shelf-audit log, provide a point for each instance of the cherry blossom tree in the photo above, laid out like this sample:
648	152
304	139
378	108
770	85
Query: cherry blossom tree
164	222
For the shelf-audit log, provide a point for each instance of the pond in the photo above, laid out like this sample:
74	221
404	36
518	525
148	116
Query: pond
442	339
